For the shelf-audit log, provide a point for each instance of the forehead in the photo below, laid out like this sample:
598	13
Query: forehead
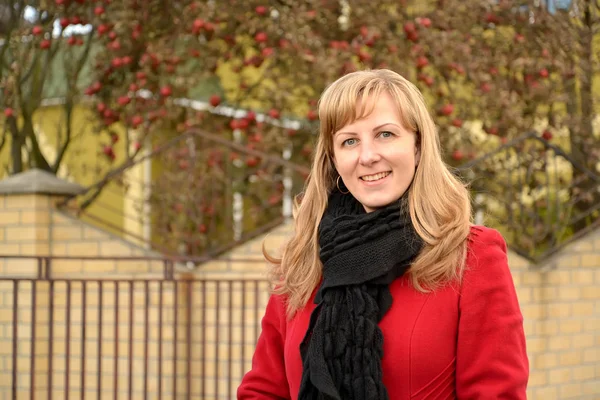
372	109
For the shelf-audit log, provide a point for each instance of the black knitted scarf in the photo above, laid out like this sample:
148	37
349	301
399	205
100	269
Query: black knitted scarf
362	253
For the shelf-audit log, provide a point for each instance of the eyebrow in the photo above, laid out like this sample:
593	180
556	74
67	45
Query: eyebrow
374	129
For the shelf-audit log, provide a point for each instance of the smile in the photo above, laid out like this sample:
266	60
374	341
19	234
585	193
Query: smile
375	177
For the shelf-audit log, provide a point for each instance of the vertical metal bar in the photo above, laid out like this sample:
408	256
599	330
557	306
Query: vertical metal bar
15	333
243	323
160	337
217	335
175	322
521	176
116	348
50	336
68	340
83	322
146	325
203	323
99	385
230	343
40	268
130	388
33	320
189	339
559	224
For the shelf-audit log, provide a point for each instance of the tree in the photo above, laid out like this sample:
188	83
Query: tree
490	70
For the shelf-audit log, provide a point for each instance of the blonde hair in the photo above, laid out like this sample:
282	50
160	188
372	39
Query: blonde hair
439	203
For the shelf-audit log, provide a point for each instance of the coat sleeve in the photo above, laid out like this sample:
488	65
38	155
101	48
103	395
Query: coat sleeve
267	377
491	360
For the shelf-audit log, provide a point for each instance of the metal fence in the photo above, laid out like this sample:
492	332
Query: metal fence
154	338
536	194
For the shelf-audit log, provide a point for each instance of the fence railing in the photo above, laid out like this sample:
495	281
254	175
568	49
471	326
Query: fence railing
164	337
198	194
536	194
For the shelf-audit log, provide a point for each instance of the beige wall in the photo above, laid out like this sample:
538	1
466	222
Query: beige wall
560	301
215	303
561	306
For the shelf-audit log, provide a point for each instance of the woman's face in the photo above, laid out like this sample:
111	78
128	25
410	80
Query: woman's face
376	156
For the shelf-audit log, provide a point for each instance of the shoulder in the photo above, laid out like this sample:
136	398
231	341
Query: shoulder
486	254
481	238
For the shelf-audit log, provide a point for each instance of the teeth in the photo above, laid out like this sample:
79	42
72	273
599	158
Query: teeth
376	177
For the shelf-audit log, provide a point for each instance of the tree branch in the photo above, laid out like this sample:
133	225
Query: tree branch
86	52
36	157
69	104
4	134
63	147
25	77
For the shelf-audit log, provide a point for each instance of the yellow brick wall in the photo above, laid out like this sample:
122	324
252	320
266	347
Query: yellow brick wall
560	302
561	307
30	225
223	311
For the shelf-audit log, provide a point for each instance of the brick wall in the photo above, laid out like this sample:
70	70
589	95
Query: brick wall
217	314
561	306
217	308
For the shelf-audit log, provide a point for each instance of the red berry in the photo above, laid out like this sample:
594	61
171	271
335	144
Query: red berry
261	37
267	52
424	22
45	44
457	155
99	10
108	150
422	62
457	122
409	28
274	113
447	109
136	121
198	24
124	100
166	91
215	100
37	30
102	29
9	112
261	10
547	135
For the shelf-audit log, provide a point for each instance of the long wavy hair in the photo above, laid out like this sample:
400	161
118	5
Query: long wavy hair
439	203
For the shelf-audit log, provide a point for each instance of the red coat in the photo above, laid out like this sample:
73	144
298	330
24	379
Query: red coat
466	342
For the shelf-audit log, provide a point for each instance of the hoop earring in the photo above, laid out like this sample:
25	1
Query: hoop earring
337	183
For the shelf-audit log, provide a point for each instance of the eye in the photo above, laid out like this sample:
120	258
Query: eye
386	134
349	142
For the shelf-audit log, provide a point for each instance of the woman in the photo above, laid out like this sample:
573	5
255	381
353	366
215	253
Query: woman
386	290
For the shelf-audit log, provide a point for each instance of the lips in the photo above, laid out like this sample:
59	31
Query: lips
375	177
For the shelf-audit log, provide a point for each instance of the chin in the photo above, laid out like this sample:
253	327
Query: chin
374	205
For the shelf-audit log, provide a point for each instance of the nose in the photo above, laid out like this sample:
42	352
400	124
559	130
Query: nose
368	153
